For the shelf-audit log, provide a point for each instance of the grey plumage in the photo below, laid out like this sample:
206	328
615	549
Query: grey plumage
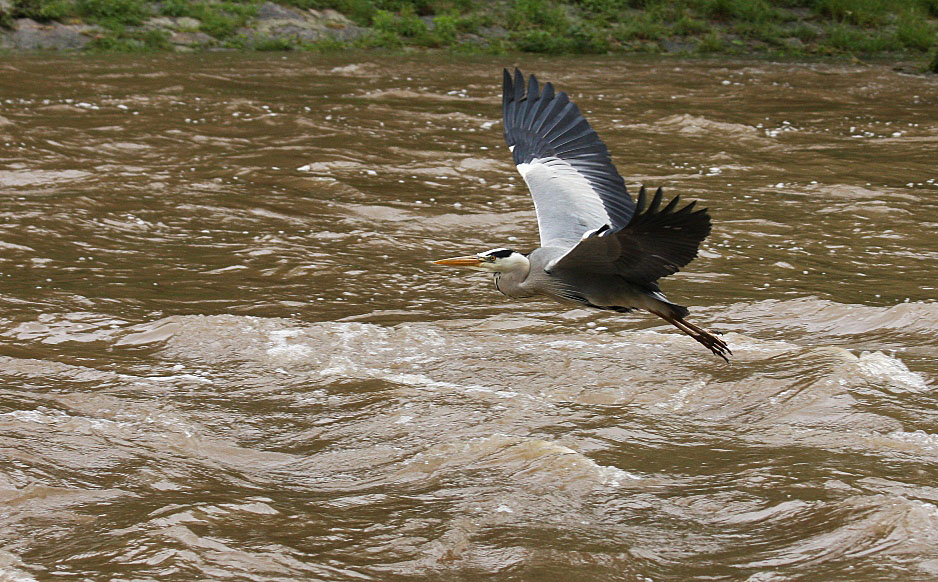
599	248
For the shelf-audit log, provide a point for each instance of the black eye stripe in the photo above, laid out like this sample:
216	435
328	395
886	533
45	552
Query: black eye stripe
500	253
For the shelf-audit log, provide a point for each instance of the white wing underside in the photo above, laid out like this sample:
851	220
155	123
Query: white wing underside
567	206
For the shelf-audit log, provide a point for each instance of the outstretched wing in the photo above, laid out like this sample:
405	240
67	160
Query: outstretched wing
655	243
564	163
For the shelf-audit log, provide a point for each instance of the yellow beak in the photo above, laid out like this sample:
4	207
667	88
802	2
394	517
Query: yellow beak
471	261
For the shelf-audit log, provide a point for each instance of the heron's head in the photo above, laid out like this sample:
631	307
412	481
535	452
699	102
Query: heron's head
493	261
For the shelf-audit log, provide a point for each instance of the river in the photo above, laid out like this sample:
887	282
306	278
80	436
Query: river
226	355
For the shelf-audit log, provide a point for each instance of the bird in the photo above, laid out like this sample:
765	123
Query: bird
599	248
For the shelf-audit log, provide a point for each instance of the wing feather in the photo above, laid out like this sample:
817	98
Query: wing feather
655	243
534	94
564	163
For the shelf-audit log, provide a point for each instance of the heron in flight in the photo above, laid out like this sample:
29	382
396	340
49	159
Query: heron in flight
599	248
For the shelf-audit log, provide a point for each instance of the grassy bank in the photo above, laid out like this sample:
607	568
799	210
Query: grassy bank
774	27
706	26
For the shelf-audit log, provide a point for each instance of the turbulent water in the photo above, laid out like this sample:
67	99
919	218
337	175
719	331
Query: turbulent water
225	354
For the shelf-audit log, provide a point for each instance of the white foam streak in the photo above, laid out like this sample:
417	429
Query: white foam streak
891	373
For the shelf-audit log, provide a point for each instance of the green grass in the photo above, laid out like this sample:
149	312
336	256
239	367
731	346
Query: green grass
804	33
741	10
640	26
221	19
849	39
712	43
274	44
114	12
446	28
43	10
218	19
396	30
913	31
777	27
689	26
864	13
390	30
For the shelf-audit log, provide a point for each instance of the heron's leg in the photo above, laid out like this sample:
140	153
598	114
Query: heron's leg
703	336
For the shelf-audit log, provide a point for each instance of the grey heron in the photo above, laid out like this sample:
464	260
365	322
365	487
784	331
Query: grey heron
599	248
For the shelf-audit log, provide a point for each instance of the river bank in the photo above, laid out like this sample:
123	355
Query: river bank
783	28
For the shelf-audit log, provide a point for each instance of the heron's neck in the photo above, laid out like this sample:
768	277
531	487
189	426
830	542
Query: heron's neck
511	281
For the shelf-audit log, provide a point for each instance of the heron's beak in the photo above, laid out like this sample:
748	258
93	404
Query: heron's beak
471	261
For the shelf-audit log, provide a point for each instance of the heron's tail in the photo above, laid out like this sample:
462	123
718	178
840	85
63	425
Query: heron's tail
675	314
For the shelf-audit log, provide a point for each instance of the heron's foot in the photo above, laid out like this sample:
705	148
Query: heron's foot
714	344
705	337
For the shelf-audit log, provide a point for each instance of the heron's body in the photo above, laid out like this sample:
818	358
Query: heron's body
568	286
599	248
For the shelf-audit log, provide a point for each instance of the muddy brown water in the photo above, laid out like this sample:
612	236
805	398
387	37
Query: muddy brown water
225	355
